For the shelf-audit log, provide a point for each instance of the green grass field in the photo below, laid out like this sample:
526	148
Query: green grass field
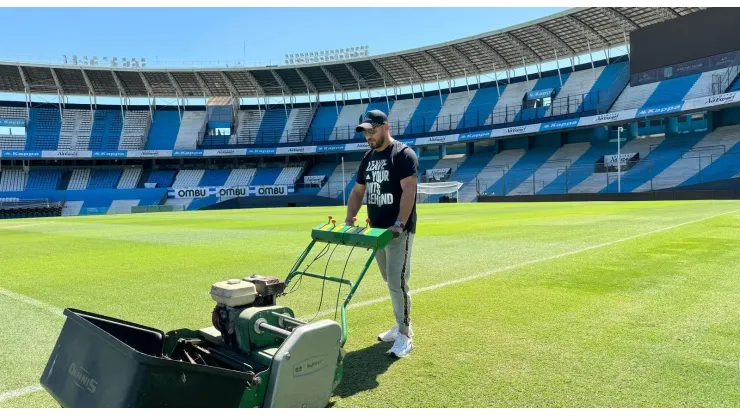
526	305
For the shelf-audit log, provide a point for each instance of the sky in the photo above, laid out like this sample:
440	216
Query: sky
256	35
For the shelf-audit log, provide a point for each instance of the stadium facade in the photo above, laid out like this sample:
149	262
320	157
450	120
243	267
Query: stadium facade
497	121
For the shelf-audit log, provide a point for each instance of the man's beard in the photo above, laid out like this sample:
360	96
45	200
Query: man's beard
374	144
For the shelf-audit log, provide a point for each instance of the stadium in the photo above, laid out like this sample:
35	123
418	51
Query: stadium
577	195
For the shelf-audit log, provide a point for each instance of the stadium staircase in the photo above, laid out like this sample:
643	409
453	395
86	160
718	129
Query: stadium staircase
344	129
79	180
698	159
136	127
563	158
192	130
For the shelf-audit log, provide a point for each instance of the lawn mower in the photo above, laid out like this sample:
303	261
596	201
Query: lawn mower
256	354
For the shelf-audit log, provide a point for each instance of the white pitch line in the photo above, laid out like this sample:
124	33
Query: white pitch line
523	264
32	301
20	392
30	224
34	388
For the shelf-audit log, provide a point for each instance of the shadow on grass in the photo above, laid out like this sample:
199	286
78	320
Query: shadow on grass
362	368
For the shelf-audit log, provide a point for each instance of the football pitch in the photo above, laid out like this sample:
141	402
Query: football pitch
624	304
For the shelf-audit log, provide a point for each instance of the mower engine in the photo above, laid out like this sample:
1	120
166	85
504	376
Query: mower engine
234	296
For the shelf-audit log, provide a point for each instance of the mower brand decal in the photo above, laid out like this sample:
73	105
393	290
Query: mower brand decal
310	366
82	378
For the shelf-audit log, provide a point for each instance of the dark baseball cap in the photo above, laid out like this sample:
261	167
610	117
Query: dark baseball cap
371	119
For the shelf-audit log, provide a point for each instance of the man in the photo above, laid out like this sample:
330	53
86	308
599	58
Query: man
388	174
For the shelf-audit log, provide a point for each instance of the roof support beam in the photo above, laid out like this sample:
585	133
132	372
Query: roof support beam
486	48
622	21
121	92
467	63
436	64
383	73
335	84
206	91
667	13
410	69
60	91
586	29
149	95
522	46
174	83
554	40
356	76
27	90
90	88
309	85
256	83
230	85
281	82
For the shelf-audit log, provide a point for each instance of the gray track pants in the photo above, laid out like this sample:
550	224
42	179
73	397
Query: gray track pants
394	261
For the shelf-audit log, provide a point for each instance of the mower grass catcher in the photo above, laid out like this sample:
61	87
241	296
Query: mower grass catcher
256	354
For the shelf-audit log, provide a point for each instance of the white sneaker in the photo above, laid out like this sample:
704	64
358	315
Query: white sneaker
391	334
402	347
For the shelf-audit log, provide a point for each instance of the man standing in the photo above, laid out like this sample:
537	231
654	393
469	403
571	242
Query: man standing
388	174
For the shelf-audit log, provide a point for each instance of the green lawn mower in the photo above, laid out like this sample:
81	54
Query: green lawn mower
256	354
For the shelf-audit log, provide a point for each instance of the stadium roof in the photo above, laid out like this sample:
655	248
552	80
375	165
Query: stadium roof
573	32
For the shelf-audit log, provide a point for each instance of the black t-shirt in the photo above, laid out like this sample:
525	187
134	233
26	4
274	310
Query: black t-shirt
382	172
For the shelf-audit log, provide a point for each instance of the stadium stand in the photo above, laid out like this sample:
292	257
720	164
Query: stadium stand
297	125
136	127
162	178
43	180
44	127
346	122
215	177
551	168
13	180
425	114
701	156
240	177
106	130
104	178
164	130
80	179
249	126
192	129
324	120
76	130
480	107
289	175
129	178
266	176
189	178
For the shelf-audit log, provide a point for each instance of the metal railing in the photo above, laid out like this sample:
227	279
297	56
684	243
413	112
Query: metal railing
559	108
722	81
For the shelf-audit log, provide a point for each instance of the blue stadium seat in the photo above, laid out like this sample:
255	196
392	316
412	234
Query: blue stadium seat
215	177
163	132
272	126
163	178
266	176
43	180
104	178
425	115
45	124
323	123
106	130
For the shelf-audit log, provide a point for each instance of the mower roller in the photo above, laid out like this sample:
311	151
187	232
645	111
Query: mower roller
256	354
